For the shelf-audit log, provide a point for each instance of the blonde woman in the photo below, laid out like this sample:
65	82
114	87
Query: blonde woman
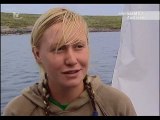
60	46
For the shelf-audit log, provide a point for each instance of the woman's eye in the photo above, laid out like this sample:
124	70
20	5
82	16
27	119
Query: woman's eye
61	48
79	46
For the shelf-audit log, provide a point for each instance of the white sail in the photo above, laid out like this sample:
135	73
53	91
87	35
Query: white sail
137	67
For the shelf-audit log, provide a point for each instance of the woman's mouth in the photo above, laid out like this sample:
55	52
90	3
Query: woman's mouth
70	71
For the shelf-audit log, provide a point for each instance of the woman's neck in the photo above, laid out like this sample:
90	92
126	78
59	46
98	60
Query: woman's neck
65	95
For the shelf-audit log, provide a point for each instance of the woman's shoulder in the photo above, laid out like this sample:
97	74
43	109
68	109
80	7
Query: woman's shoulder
106	90
112	93
18	106
114	101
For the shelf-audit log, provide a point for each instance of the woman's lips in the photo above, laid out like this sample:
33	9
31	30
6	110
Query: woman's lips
71	71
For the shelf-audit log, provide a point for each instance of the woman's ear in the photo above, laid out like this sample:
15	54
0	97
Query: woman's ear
36	54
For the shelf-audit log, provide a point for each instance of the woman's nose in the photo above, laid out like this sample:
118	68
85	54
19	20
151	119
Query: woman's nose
71	58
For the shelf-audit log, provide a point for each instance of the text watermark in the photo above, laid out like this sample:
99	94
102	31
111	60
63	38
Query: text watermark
16	16
141	15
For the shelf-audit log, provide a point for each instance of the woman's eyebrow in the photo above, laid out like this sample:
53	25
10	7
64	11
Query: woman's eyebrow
53	46
81	42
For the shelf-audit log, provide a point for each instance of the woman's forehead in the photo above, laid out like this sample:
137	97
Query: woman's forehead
61	35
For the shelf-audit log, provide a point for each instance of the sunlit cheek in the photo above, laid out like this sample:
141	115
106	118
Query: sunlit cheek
53	63
85	59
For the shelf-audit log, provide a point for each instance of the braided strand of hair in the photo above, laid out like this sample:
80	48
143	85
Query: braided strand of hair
46	96
91	95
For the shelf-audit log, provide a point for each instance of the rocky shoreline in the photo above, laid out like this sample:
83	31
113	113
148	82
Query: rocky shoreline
7	30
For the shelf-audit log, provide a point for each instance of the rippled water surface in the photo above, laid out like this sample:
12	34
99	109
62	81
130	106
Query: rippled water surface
19	69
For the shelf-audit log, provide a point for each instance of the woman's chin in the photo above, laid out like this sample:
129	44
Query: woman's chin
72	82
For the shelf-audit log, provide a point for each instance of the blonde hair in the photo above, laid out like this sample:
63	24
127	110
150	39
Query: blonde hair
70	20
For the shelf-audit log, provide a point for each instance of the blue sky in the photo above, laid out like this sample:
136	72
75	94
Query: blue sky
83	9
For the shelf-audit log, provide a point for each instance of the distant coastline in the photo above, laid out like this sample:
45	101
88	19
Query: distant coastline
26	30
23	24
7	30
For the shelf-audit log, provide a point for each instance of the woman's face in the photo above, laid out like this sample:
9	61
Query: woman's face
68	66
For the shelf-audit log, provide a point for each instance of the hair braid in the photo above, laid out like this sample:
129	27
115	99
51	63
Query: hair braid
91	96
46	95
